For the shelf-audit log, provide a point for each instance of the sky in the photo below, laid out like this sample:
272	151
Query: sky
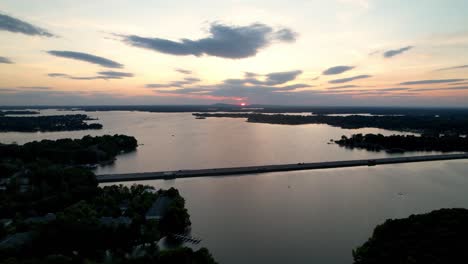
296	52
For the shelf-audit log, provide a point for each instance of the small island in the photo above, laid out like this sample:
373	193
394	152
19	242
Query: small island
46	123
404	143
433	124
53	211
19	112
435	237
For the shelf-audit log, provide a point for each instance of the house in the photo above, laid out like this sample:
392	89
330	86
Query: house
124	206
115	221
159	208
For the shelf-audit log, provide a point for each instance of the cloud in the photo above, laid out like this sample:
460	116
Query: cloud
85	57
35	87
393	89
277	78
7	90
454	68
114	74
342	87
442	89
337	70
192	79
183	71
253	86
58	75
285	35
182	83
233	42
103	75
157	85
459	83
432	81
26	89
392	53
350	79
251	74
11	24
274	78
5	60
56	97
374	52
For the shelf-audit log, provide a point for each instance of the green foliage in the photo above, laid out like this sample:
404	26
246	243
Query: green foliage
137	199
177	218
436	237
50	188
46	177
403	143
88	150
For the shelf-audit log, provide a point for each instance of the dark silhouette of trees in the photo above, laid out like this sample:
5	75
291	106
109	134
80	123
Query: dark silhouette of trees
46	123
40	177
177	218
87	150
402	143
435	237
19	112
457	124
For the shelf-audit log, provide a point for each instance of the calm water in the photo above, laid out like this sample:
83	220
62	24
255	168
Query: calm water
174	141
312	216
286	217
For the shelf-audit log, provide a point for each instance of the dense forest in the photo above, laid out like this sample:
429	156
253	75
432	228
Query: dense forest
86	150
108	226
436	237
44	175
53	211
402	143
453	124
46	123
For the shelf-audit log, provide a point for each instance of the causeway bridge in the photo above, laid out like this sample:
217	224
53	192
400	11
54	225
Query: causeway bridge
167	175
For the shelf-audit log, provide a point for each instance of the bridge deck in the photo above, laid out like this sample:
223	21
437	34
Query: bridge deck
164	175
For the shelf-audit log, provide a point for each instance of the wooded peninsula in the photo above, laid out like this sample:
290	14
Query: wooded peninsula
449	124
53	211
403	143
46	123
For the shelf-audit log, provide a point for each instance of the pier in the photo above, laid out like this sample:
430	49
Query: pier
187	238
167	175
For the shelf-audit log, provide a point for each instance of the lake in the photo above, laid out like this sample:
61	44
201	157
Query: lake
295	217
314	216
176	141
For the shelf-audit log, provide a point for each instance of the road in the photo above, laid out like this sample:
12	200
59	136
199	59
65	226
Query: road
165	175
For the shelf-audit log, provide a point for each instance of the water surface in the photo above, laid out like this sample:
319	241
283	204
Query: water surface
312	216
176	141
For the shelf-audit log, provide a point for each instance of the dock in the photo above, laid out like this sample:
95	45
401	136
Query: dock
168	175
187	238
